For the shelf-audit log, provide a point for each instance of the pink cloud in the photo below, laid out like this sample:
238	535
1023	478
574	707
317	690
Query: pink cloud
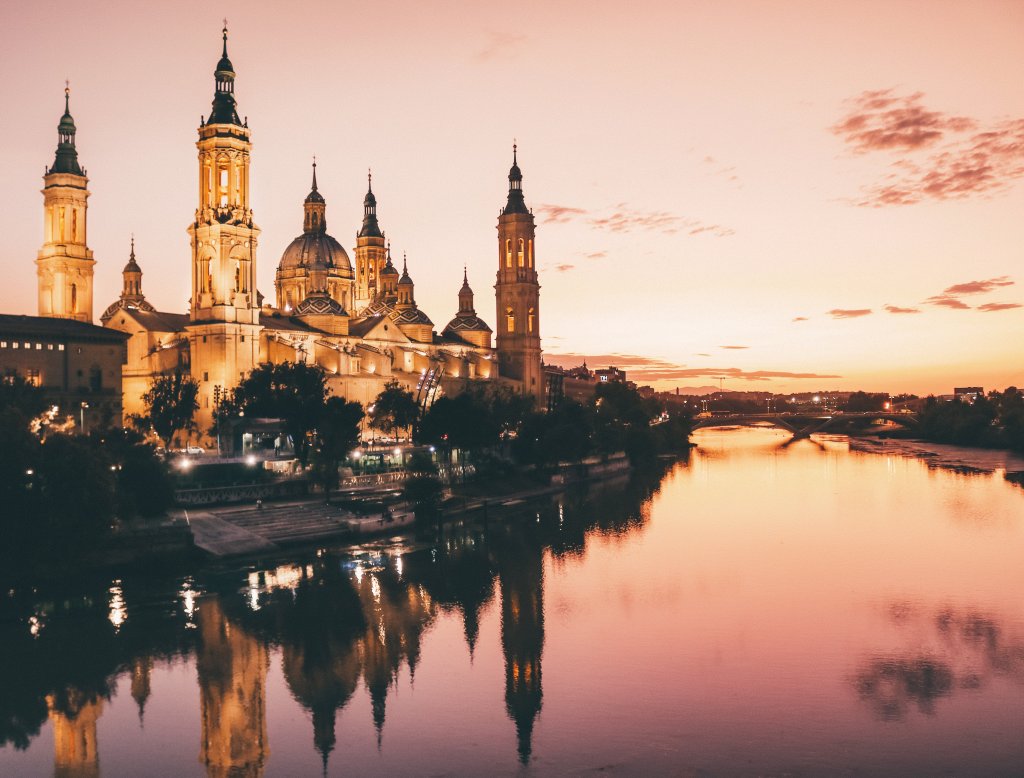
849	313
897	309
641	369
948	302
991	307
950	157
977	287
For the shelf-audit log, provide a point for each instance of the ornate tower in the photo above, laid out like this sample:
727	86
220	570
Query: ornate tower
314	263
224	333
517	291
64	264
131	290
370	253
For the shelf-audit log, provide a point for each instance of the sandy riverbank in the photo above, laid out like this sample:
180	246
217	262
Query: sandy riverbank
942	455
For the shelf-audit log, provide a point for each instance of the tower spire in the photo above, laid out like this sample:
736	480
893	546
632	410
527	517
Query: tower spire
370	228
66	158
516	203
314	173
225	110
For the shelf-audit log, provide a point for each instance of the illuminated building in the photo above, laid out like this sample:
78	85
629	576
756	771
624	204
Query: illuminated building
360	322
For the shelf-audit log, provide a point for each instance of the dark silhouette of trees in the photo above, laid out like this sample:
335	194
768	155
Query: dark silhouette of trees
337	433
293	392
394	409
170	405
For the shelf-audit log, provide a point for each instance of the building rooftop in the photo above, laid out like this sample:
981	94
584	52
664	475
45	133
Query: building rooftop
51	327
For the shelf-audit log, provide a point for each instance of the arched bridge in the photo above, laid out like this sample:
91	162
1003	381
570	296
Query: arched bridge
803	425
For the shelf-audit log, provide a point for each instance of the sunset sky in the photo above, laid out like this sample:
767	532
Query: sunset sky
792	196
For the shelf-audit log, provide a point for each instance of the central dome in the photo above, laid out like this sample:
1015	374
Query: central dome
312	249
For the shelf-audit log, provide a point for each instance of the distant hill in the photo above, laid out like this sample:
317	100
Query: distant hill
701	390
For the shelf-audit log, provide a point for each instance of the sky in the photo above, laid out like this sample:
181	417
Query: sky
774	196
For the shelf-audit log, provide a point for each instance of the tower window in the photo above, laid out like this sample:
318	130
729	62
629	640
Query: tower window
510	320
522	253
508	253
531	254
529	320
74	299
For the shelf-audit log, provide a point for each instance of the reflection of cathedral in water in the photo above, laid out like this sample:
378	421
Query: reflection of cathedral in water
340	623
521	575
75	750
232	667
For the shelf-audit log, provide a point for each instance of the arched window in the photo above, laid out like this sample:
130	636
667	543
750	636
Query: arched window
531	254
510	320
529	320
222	189
74	298
522	253
238	276
508	252
74	225
62	237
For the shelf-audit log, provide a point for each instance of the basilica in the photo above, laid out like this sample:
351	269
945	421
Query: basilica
352	312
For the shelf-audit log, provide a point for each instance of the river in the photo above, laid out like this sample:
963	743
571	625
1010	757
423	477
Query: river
760	608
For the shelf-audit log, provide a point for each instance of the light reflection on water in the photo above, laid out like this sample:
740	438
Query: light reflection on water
766	607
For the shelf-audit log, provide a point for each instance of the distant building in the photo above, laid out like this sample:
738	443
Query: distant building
968	394
78	365
610	375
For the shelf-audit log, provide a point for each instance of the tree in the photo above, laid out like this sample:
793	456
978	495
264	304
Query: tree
26	398
859	402
294	392
394	409
464	421
170	402
337	433
423	488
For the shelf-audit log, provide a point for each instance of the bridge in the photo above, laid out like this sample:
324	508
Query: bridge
803	425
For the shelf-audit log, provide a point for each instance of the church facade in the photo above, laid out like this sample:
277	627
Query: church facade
354	316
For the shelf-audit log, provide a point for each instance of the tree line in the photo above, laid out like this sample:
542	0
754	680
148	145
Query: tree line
994	420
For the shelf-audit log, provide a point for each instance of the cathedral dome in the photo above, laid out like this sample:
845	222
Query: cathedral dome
319	303
315	248
467	323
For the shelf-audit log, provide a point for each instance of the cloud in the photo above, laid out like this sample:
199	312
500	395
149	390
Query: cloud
622	219
943	156
879	120
501	45
948	302
800	318
564	268
977	287
991	307
647	369
596	255
702	354
849	313
558	214
735	347
897	309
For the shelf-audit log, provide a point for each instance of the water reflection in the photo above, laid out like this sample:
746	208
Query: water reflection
740	590
962	650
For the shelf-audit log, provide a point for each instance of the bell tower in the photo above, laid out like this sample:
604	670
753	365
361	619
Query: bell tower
371	255
224	310
64	265
517	291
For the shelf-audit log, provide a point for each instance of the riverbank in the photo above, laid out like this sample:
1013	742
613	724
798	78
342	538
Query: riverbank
986	460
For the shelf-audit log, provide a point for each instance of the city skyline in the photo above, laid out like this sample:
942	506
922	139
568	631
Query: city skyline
839	206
